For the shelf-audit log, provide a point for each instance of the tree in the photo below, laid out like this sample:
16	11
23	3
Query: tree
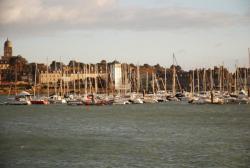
17	67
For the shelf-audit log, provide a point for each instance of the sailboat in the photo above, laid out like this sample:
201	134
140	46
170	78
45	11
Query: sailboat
57	98
172	96
35	99
22	98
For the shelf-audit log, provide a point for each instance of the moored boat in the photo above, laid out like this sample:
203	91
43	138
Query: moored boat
21	99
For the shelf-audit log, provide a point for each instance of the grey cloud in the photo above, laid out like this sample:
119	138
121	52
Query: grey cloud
37	16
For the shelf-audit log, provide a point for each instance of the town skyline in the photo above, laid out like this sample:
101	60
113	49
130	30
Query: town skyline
50	61
201	34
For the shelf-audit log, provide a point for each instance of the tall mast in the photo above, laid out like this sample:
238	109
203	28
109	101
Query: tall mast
96	86
106	81
55	84
223	76
245	79
61	75
67	75
228	83
90	80
111	79
198	81
247	70
47	73
85	79
220	80
153	82
35	81
125	78
165	80
15	77
79	84
193	83
74	82
204	81
174	74
249	57
138	79
147	82
235	79
211	80
130	79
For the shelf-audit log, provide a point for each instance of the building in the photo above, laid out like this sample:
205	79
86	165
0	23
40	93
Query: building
56	76
12	68
4	61
7	50
119	77
116	75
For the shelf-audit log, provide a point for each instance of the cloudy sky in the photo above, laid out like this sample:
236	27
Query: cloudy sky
199	32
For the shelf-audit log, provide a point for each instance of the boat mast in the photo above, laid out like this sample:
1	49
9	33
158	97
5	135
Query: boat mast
96	86
67	80
220	75
165	80
198	81
130	79
147	81
193	83
35	81
174	74
15	78
47	77
249	57
55	84
153	82
85	79
211	80
125	71
74	82
106	83
223	77
79	84
204	81
248	72
235	79
61	75
138	79
245	79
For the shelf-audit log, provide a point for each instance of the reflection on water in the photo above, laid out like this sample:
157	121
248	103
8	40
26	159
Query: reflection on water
158	135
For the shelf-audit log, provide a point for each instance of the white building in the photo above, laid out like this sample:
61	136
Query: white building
116	75
119	77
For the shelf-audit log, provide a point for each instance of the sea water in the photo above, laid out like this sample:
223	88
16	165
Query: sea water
145	135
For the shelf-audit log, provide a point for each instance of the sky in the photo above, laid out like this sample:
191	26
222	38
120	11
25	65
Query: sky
200	33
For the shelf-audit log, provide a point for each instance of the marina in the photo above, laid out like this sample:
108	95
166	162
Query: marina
124	84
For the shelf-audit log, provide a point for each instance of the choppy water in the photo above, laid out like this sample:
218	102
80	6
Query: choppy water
158	135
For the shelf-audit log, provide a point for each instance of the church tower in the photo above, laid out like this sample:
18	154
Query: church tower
7	49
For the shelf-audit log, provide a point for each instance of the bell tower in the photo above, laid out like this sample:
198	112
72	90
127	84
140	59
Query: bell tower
7	49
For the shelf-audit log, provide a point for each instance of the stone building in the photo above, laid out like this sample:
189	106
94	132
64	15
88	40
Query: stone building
4	62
